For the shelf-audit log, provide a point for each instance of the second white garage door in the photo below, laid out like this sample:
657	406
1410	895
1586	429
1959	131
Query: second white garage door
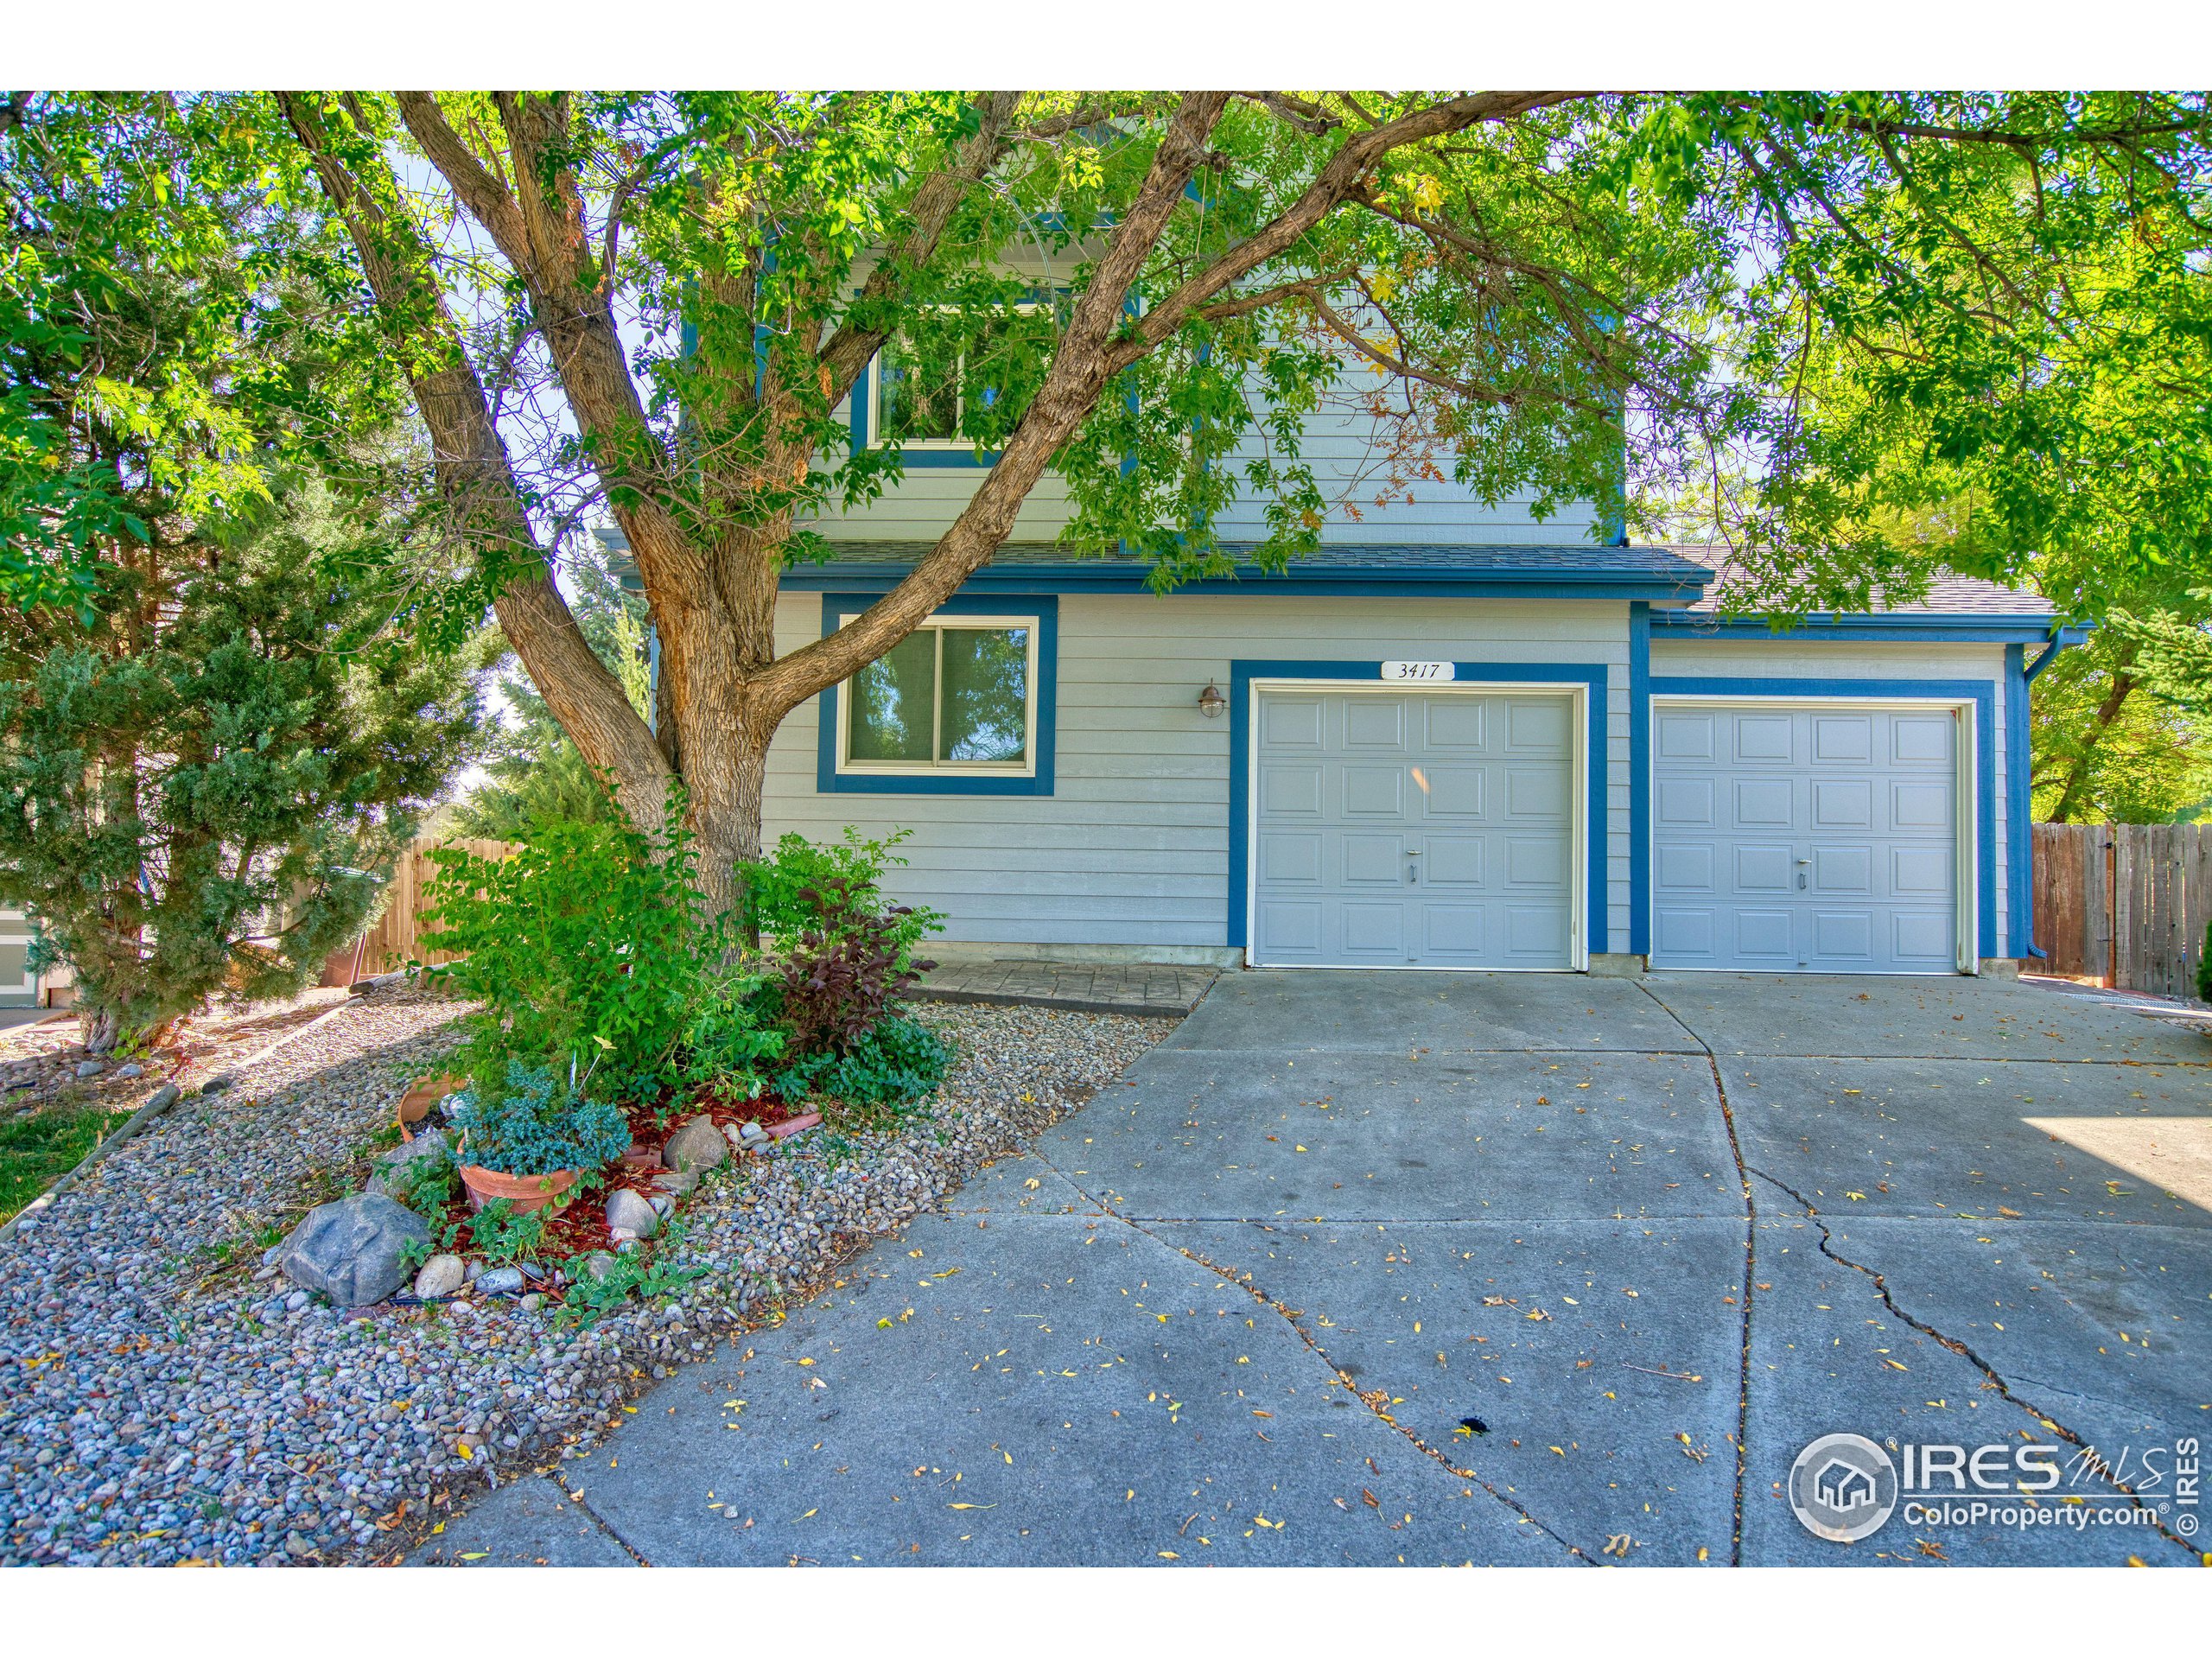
1804	837
1414	829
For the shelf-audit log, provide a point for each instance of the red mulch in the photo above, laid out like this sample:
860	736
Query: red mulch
580	1228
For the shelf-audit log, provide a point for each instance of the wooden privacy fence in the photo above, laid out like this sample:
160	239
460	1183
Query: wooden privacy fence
398	935
2124	903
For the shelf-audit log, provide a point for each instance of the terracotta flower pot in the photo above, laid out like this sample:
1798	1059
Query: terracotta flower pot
415	1105
524	1193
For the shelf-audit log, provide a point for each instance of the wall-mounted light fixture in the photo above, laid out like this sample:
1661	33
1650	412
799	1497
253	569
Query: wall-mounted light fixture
1211	701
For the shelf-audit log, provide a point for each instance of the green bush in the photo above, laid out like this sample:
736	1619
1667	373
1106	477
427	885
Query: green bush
2204	969
536	1125
801	887
586	953
895	1063
730	1034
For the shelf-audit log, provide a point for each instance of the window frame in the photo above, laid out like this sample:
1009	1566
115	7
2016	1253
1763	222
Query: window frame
836	774
867	412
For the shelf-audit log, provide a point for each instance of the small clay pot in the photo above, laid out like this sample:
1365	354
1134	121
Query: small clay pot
524	1193
415	1105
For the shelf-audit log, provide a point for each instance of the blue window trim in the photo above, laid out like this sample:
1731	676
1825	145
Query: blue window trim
1242	673
829	781
1639	767
1982	693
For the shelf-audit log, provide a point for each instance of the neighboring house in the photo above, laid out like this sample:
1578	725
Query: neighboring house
1457	737
19	986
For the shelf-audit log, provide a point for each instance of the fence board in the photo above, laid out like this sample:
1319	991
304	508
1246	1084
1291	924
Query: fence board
2126	904
399	935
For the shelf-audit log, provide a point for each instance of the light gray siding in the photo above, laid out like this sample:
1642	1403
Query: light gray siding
1827	659
1132	847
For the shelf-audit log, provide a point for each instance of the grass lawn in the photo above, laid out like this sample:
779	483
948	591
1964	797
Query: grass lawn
38	1150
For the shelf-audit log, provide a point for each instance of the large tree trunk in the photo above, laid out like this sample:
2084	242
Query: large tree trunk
2078	774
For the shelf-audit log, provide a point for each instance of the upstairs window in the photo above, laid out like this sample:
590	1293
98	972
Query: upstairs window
957	694
947	382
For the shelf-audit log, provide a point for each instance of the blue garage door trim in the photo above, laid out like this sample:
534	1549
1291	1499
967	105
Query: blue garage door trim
1242	673
1981	693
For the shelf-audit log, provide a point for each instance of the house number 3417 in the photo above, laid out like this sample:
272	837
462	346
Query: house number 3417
1429	671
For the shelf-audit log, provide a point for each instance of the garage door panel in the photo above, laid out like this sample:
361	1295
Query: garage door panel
1768	738
1291	722
1457	861
1455	931
1764	802
1843	738
1372	929
1920	737
1765	869
1844	933
1289	929
1841	846
1428	828
1371	861
1456	723
1453	792
1375	792
1764	934
1689	801
1843	870
1374	722
1686	866
1288	860
1291	789
1843	803
1920	805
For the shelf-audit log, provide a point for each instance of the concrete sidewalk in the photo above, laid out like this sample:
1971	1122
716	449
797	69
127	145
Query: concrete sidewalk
1371	1268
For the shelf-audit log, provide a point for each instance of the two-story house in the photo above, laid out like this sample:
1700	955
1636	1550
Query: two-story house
1458	737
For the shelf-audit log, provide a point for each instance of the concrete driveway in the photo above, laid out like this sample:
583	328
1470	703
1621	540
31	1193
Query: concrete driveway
1425	1268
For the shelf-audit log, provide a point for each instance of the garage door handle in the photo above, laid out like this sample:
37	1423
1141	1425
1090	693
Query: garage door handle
1800	881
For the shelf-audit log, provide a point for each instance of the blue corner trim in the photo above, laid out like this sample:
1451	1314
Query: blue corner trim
1639	778
829	780
1242	673
1982	693
2019	921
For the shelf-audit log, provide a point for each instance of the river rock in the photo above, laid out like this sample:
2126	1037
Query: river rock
595	1266
695	1148
216	1084
629	1213
494	1282
355	1251
89	1069
130	1069
442	1275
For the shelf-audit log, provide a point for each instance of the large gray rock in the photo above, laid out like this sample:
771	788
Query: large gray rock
695	1148
353	1251
630	1216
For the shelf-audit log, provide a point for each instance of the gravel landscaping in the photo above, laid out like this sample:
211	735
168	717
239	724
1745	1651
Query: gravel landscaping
165	1398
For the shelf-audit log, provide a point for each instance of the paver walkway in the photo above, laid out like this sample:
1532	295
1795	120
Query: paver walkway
1428	1267
1167	989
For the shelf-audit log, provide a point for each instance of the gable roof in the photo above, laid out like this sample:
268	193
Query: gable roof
1949	595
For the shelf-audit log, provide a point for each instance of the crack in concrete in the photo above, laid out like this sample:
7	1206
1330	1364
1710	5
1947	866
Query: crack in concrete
1290	1316
1748	1288
606	1527
1966	1352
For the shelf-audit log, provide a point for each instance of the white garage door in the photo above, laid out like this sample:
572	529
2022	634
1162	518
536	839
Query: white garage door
1804	837
1431	829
